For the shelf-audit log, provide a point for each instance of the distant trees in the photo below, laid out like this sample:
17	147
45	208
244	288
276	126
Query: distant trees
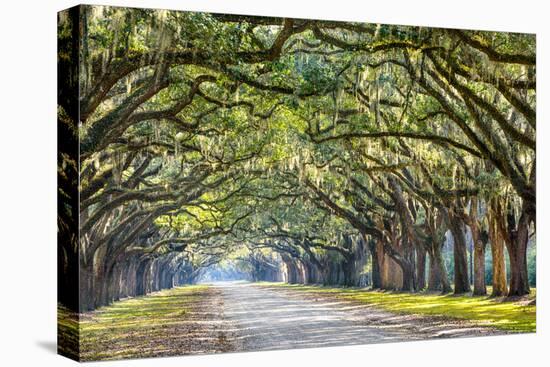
347	149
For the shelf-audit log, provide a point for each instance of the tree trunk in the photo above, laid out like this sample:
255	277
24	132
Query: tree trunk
421	268
462	284
376	277
434	276
86	287
348	267
141	278
410	240
480	288
517	252
497	250
68	277
445	283
438	280
477	257
408	276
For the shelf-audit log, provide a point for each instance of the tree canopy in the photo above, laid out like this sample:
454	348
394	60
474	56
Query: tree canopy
314	143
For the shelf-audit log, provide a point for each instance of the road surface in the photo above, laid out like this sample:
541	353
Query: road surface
267	318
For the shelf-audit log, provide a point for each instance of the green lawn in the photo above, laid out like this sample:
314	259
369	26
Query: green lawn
67	332
510	316
147	326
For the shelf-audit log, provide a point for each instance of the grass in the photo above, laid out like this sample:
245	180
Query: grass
67	332
480	310
136	327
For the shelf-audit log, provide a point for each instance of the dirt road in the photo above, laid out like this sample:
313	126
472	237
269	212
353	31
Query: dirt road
260	318
240	316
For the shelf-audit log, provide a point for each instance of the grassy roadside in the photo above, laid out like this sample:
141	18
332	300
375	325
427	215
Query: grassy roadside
159	324
483	311
67	333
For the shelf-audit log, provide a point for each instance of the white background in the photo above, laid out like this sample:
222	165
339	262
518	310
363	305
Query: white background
28	181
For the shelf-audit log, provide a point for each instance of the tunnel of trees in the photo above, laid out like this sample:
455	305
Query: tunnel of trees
394	157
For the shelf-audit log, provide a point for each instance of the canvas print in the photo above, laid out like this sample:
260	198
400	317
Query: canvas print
231	183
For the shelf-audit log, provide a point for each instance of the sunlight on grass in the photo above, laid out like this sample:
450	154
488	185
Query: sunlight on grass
481	310
132	327
67	332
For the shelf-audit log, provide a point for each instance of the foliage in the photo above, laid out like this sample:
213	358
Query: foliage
204	133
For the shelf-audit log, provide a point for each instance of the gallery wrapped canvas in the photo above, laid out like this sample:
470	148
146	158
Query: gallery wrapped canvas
233	183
